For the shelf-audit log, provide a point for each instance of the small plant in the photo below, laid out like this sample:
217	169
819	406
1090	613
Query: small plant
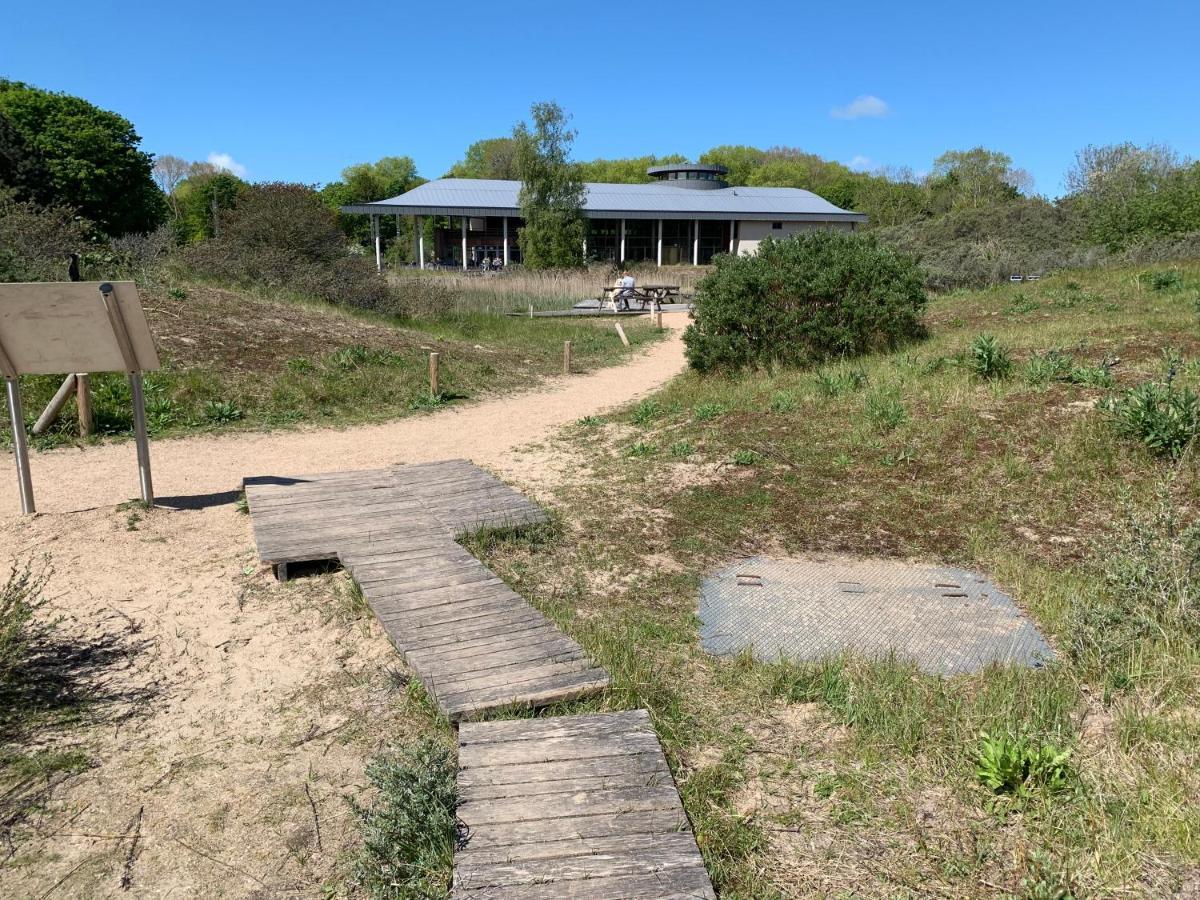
242	505
834	384
647	411
705	411
411	831
427	402
1044	882
1165	280
300	365
783	403
682	449
1043	368
588	421
642	449
1092	376
177	293
20	600
1162	416
988	359
900	457
884	409
746	458
220	412
1018	767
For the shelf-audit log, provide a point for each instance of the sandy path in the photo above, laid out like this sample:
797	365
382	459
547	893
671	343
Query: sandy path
187	471
231	716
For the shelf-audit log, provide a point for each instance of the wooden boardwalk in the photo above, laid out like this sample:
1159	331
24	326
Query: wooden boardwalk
576	806
473	642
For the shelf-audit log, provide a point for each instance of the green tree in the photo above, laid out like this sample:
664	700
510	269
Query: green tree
631	170
552	193
204	201
490	158
740	160
91	156
969	179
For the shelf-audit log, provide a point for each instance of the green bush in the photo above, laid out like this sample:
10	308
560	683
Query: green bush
410	833
806	299
988	358
1043	368
1165	280
1158	414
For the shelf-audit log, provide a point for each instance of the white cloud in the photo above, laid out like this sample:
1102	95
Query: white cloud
227	163
861	163
868	106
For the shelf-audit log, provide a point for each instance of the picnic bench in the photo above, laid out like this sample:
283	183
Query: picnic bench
643	294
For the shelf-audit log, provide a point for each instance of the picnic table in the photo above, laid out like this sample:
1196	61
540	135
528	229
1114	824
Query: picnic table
644	294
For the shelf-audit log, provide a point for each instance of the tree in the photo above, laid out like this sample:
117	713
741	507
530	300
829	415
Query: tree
22	170
168	172
490	158
365	183
631	170
552	193
91	156
969	179
203	201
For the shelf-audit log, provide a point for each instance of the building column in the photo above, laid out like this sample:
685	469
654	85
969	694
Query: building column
622	259
464	242
506	240
660	230
378	248
732	236
419	234
585	251
696	242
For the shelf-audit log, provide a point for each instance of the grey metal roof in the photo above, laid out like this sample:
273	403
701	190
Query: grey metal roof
657	200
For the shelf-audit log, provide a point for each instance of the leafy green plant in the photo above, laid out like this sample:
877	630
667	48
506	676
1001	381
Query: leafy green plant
682	449
703	412
834	384
1018	767
1043	368
1092	376
588	421
1165	280
410	832
782	402
20	600
300	365
1163	417
746	458
884	409
647	411
177	293
221	412
642	449
987	358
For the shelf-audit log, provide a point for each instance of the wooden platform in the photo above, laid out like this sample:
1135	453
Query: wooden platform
576	806
473	642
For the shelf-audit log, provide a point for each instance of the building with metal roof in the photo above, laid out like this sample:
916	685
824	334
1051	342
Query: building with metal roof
687	215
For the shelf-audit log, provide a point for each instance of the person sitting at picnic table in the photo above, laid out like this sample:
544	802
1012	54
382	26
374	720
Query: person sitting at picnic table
626	286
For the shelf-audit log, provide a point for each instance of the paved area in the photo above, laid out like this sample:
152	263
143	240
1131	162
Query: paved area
947	620
474	643
575	806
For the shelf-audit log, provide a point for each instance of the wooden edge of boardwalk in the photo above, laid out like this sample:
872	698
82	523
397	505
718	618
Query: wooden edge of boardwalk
572	806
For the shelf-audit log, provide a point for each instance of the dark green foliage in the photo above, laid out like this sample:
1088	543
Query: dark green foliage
35	240
410	832
1166	280
283	236
203	203
988	359
1162	416
551	191
806	299
1019	766
88	158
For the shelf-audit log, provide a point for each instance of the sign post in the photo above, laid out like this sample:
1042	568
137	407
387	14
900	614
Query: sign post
78	327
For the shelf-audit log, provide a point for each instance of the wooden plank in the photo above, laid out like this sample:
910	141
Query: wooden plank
472	641
562	808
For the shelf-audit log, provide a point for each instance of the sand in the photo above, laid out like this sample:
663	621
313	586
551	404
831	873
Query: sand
233	715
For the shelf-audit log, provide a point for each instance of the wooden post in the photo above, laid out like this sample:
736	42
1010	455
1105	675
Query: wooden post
621	333
433	375
566	357
83	401
109	297
54	407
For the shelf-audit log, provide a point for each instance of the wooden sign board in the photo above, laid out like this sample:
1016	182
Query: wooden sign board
59	327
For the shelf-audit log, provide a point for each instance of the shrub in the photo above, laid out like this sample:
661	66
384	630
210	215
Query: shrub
809	298
35	240
647	411
987	358
1046	367
410	833
746	458
1018	767
20	599
1165	280
1160	415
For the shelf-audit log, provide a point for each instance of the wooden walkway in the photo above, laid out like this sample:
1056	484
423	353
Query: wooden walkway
473	642
576	806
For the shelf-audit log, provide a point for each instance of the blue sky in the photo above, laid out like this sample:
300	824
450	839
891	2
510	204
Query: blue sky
297	91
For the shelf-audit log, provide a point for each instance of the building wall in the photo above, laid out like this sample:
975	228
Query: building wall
753	232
